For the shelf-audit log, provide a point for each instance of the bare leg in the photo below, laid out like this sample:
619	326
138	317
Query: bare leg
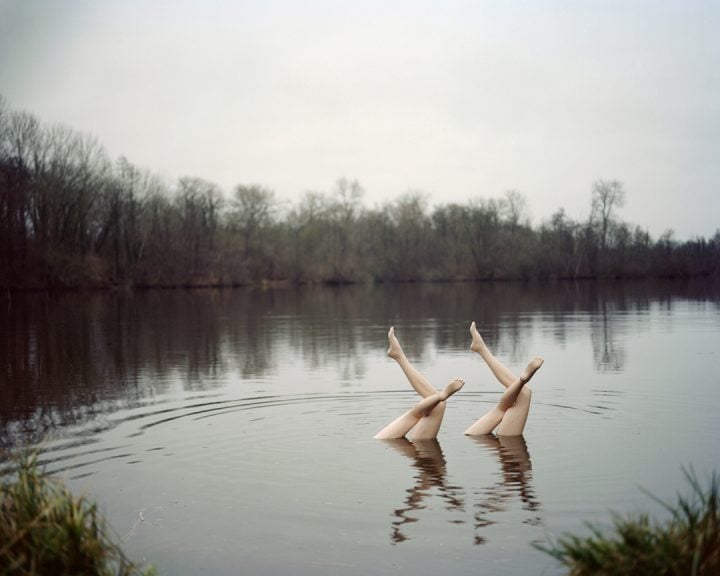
429	425
421	384
403	424
516	416
502	372
495	416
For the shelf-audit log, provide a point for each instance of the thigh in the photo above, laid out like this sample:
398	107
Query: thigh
398	427
513	422
487	423
429	425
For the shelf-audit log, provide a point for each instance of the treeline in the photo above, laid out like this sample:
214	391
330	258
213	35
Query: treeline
71	217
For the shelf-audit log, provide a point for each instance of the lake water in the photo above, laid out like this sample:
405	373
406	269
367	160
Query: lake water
227	432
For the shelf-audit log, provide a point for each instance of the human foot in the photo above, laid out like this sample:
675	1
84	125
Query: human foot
394	351
532	367
478	344
451	388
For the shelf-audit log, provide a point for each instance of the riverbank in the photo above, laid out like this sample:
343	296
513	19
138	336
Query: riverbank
45	529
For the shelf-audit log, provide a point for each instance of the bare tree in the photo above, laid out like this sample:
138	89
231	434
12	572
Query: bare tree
513	206
410	247
348	194
308	230
607	196
343	212
4	128
251	214
14	192
252	209
199	203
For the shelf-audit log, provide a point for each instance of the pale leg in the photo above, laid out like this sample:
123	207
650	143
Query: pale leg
501	372
495	416
403	424
429	425
421	384
516	416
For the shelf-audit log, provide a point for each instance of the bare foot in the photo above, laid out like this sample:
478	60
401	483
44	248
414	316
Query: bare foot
451	388
395	351
532	367
478	344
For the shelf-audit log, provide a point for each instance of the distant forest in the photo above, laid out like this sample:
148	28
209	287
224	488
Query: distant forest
72	217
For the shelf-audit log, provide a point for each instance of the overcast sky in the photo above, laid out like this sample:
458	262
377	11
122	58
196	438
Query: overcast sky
459	99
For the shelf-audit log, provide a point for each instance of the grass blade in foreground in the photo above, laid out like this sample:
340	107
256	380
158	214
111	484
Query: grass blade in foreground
688	544
44	529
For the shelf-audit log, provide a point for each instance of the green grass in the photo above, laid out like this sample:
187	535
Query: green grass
687	544
44	529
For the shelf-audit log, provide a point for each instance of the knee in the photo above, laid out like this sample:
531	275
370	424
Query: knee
439	409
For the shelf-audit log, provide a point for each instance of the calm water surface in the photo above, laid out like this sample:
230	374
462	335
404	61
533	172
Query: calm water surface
227	432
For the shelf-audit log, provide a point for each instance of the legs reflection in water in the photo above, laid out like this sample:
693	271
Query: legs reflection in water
431	477
429	462
515	482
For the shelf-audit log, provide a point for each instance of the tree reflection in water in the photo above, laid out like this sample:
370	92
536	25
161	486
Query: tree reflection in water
67	358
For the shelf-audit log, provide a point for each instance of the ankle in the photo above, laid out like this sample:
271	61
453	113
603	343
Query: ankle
532	367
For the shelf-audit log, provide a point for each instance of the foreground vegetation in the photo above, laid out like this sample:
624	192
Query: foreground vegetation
44	529
69	216
688	544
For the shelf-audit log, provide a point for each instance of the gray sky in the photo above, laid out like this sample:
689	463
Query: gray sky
459	99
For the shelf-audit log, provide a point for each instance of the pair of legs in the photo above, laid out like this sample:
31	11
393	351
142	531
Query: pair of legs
511	412
425	418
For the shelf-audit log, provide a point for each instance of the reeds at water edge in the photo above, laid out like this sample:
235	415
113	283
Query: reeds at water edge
45	529
687	544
